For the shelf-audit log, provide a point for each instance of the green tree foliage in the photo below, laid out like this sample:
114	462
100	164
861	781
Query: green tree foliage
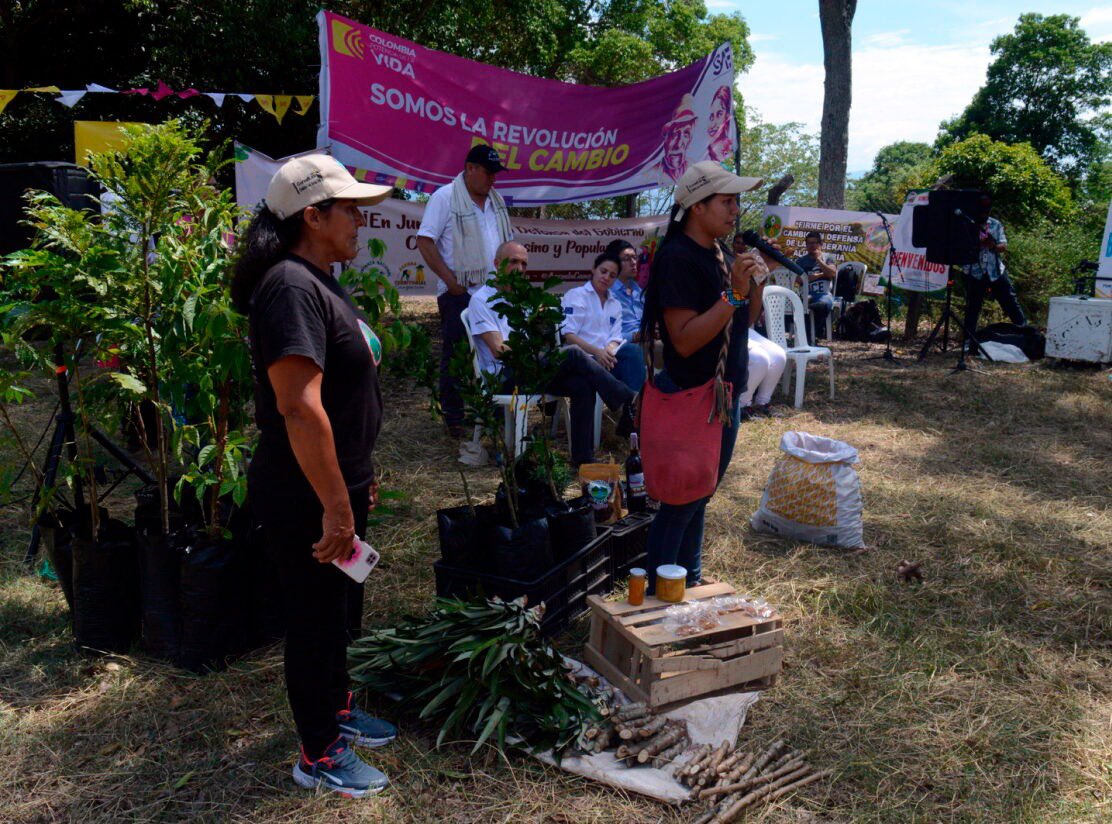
771	151
897	168
632	41
147	284
1023	186
1045	79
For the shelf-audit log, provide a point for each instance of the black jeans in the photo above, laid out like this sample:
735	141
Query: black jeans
1001	289
451	333
323	607
579	379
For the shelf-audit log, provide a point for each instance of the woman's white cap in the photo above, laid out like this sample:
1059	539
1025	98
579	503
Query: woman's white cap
303	181
707	178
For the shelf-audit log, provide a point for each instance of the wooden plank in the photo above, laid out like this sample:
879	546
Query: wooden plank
700	682
759	641
598	622
658	634
750	686
682	663
599	664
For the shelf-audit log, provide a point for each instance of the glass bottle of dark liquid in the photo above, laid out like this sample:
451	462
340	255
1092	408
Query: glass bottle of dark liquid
635	477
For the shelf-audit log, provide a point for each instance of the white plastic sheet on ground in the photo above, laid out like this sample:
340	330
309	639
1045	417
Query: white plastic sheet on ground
1001	352
709	721
813	493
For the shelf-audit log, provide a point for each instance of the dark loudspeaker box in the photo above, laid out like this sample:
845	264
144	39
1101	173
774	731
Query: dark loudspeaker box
69	183
946	226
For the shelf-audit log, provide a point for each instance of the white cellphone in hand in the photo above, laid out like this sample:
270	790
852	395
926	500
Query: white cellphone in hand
359	564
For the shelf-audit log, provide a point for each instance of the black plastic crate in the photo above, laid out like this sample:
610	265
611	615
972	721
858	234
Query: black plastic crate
564	589
628	539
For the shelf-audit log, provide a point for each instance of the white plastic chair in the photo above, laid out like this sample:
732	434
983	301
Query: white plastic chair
783	278
565	408
786	279
776	301
515	407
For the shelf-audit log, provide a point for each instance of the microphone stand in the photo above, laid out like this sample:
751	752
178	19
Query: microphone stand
892	262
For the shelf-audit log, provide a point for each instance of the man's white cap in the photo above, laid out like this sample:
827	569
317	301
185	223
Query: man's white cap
707	178
303	181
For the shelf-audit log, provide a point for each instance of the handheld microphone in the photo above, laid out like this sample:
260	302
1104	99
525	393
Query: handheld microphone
751	238
962	214
883	219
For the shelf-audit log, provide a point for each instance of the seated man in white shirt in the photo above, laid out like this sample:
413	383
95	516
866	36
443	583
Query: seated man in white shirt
579	378
593	322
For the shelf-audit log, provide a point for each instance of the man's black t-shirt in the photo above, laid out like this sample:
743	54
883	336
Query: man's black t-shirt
690	276
297	309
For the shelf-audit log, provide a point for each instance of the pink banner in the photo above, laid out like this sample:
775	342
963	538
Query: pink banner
399	113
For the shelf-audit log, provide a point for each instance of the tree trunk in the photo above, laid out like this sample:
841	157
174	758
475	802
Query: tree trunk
836	17
631	206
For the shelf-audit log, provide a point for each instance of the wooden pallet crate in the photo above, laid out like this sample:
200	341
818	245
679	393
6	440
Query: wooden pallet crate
631	647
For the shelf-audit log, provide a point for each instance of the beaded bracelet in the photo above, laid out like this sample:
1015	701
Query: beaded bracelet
734	298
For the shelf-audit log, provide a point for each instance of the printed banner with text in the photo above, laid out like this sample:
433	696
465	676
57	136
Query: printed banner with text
847	236
562	248
913	272
400	113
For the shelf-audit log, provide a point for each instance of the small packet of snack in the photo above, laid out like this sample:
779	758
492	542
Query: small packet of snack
601	484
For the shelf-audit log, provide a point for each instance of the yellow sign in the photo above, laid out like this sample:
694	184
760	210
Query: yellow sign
97	136
347	40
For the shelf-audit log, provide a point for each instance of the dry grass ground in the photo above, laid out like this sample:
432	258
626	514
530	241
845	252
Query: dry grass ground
983	695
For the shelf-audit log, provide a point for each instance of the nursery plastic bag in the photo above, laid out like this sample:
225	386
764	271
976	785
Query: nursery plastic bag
813	493
210	606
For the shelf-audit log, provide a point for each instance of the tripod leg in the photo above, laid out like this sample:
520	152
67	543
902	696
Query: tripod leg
49	473
933	335
122	457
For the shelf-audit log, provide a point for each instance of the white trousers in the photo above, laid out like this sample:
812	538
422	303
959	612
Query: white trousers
766	366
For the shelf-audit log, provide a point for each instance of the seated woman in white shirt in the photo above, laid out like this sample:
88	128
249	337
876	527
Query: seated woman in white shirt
593	322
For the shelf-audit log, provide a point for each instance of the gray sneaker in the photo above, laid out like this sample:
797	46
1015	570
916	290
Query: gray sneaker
339	770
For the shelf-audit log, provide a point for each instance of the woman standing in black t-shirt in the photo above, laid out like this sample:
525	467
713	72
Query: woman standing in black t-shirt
319	408
692	301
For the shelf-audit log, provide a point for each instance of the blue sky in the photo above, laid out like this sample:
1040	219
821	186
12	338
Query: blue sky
915	62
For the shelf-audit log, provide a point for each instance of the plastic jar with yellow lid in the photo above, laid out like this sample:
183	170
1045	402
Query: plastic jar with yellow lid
671	581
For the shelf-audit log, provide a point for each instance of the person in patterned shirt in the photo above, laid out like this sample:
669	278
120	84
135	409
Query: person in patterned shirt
988	273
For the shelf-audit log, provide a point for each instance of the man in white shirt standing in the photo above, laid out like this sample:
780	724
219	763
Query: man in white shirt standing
464	224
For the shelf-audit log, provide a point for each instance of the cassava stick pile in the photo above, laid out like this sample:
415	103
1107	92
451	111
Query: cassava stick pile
637	735
733	780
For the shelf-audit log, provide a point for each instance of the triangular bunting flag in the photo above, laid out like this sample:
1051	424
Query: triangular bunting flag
143	91
246	98
6	97
52	89
217	98
96	87
276	104
304	101
162	91
70	98
185	94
